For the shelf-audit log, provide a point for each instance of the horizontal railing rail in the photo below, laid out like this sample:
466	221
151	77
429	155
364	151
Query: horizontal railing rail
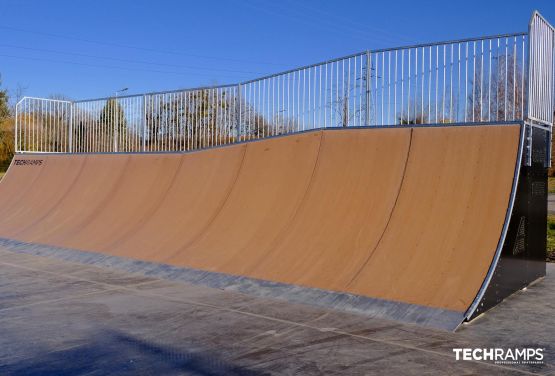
475	80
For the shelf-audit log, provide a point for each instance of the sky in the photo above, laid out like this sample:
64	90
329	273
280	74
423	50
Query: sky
88	49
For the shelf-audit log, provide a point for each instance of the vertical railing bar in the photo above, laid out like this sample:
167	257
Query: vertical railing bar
522	88
408	87
466	82
489	82
473	109
319	99
314	104
402	87
354	96
451	85
422	83
430	67
430	84
497	82
437	84
388	121
144	123
309	98
238	114
444	83
506	78
360	91
16	128
42	120
382	89
416	86
514	79
395	91
368	86
481	79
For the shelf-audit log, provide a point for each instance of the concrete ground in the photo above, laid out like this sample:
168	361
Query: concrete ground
551	204
62	318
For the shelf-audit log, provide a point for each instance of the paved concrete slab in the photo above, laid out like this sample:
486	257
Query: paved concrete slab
63	318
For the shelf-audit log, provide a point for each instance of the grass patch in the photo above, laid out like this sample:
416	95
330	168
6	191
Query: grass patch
1	174
551	185
551	238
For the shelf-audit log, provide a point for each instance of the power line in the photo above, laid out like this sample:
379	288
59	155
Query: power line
140	48
307	18
357	25
102	66
126	60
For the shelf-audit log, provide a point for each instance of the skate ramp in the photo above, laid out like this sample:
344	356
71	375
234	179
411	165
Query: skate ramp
407	216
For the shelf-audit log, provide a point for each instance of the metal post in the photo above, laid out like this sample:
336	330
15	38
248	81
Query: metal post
17	127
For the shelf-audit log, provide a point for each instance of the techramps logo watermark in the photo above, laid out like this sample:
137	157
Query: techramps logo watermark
508	356
28	162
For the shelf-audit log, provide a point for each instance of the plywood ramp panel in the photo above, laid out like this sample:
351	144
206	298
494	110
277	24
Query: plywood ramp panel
57	177
183	207
15	185
345	211
99	178
270	187
447	222
140	186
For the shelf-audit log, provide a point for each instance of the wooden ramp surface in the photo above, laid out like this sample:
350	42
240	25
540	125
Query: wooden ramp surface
410	215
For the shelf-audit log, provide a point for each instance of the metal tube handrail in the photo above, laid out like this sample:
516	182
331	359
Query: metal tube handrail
380	50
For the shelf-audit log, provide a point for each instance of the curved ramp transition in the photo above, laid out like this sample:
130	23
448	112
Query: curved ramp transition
406	218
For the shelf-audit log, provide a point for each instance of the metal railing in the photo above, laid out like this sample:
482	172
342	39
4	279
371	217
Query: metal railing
486	79
540	84
43	125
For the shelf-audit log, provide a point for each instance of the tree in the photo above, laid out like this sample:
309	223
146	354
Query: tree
6	131
113	126
6	142
193	120
499	97
414	119
4	106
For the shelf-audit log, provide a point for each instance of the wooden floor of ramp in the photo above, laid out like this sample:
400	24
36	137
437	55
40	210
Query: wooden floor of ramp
410	215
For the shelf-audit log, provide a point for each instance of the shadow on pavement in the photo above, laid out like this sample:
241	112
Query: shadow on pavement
113	352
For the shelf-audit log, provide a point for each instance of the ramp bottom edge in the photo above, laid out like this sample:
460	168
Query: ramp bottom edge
367	306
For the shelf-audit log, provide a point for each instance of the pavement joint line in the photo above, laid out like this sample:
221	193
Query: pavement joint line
48	301
336	331
281	333
298	324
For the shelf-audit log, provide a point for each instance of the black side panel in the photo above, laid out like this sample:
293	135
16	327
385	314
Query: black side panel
523	255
